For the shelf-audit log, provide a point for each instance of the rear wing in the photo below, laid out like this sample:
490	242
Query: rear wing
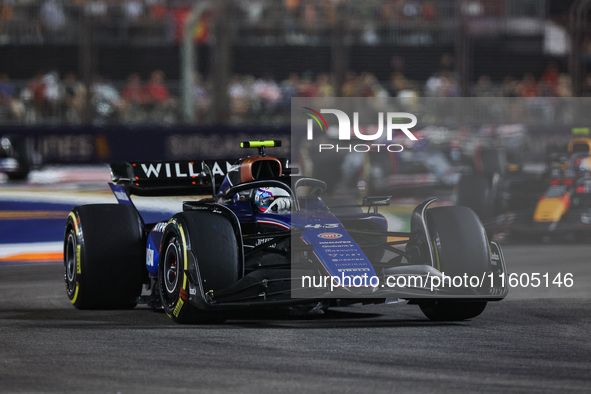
170	178
173	178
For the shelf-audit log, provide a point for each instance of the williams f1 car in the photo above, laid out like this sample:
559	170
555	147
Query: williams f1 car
260	235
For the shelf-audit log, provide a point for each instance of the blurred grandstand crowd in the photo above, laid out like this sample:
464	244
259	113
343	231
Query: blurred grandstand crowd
62	97
294	21
51	98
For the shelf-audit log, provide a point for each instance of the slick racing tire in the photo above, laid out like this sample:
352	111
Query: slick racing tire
104	257
209	240
474	191
461	248
452	310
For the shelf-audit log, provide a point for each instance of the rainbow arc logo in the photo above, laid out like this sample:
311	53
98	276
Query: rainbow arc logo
317	117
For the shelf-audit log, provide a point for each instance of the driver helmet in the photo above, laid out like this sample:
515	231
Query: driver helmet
265	196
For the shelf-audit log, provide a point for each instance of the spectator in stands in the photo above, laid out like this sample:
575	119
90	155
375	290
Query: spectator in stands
74	99
586	88
53	94
253	10
449	86
35	96
433	85
472	8
483	87
564	85
10	107
368	86
289	88
239	95
307	87
157	8
293	22
96	8
267	92
6	89
105	100
428	11
411	9
443	83
159	101
510	87
399	86
52	15
201	94
132	9
387	12
349	86
545	90
528	86
156	90
324	85
133	92
134	98
550	79
397	83
6	13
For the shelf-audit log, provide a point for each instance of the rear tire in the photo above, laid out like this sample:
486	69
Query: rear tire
210	239
462	249
104	257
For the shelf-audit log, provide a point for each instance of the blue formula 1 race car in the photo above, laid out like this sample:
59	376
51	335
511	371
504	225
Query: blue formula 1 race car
267	238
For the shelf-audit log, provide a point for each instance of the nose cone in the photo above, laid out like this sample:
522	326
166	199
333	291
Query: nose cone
551	209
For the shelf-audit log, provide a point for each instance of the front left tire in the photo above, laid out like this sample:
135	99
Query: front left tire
209	239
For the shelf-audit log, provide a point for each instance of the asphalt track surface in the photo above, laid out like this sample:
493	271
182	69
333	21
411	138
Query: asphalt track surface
517	345
536	340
